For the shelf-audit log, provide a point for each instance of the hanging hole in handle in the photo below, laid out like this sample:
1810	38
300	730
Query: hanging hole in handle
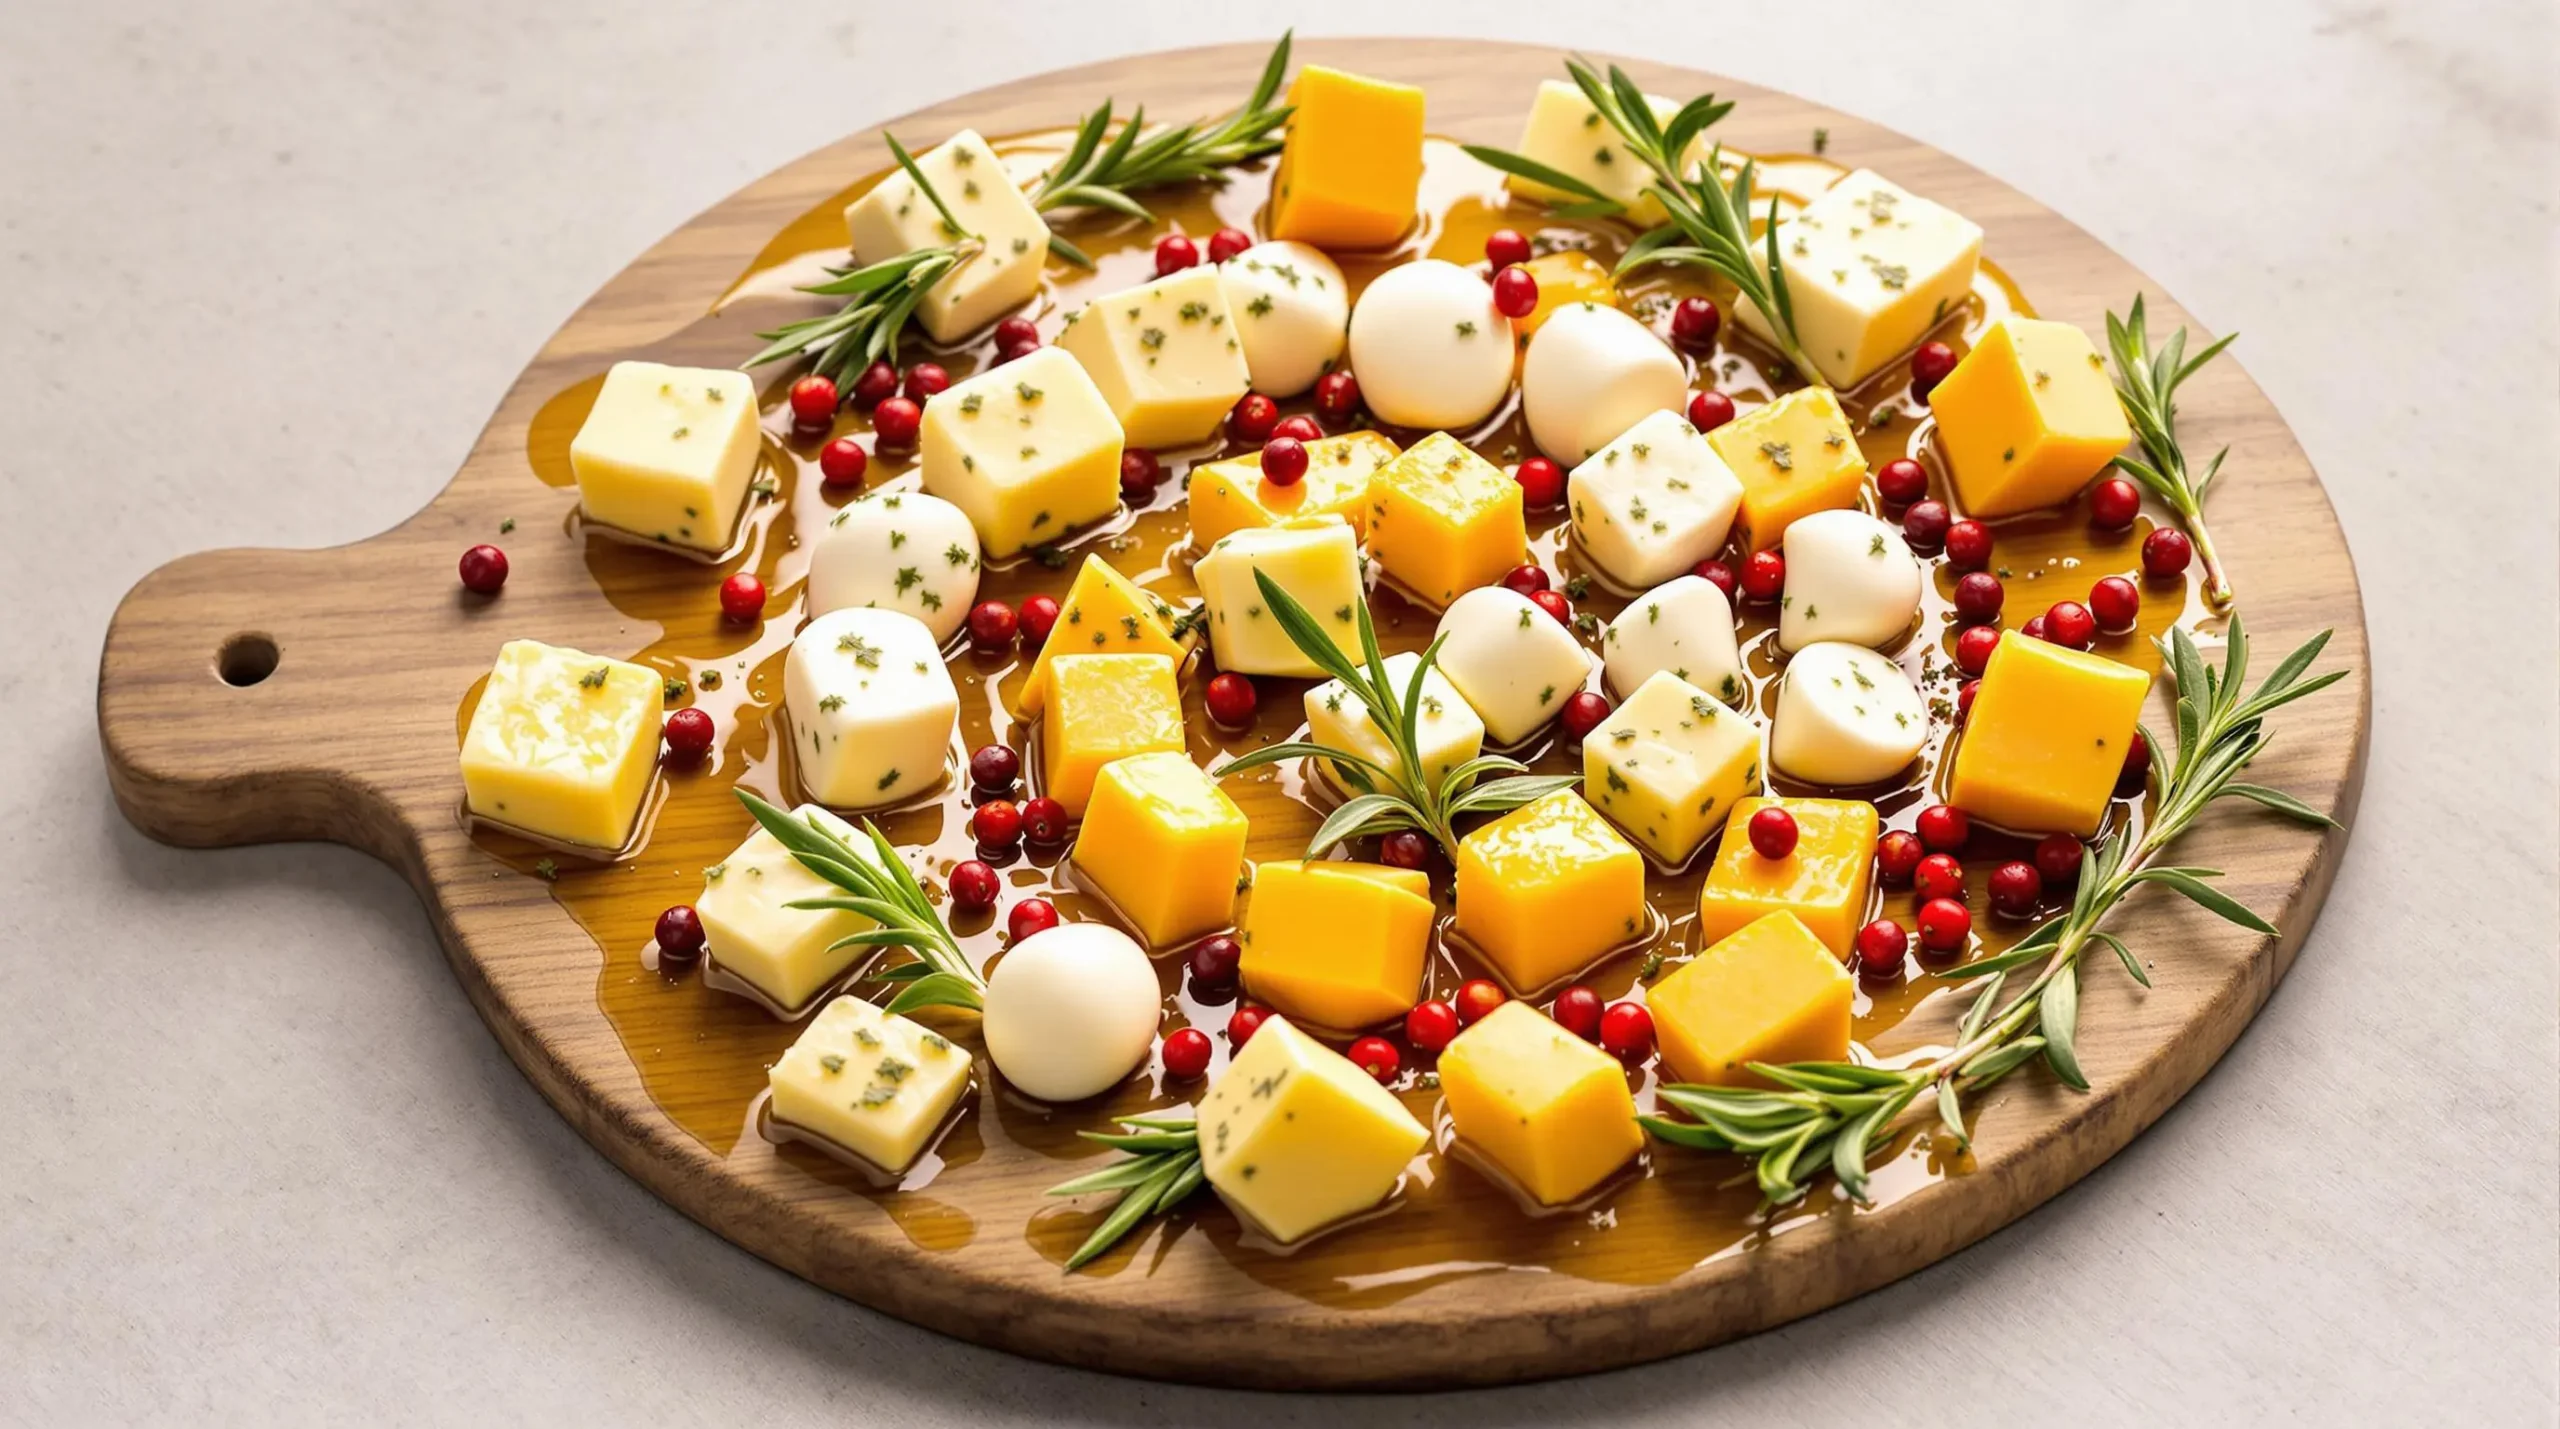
245	659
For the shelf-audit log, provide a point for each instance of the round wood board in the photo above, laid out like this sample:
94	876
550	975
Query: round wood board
351	739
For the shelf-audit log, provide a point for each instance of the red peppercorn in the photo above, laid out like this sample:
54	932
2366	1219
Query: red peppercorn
1898	855
1944	925
1553	602
2058	859
1969	545
997	824
842	462
1709	410
1504	247
1694	322
1939	876
1174	252
1541	483
1031	915
1017	331
1232	700
1478	998
1764	576
1583	712
1626	1032
484	570
2015	887
1044	821
1404	849
1252	418
1139	473
1943	828
2116	602
974	886
1930	364
2113	503
1010	348
895	422
1227	243
1964	698
1186	1053
742	597
2136	774
1773	832
993	625
689	731
1300	427
2068	623
1902	481
679	934
1719	575
1974	647
1881	946
1430	1026
1338	396
1979	596
1247	1020
924	380
993	767
1925	525
2165	552
1577	1010
1378	1057
1215	961
1039	616
1527	579
2034	628
1515	293
813	401
877	384
1284	461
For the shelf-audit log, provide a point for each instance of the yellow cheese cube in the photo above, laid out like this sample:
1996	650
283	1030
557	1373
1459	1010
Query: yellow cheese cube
1443	520
872	1082
1794	457
786	953
1870	268
1824	883
1231	496
1549	1108
1105	613
1669	765
563	744
1295	1137
666	453
1352	165
2027	418
1546	889
1029	451
1165	355
1101	708
1337	945
1565	278
1164	843
2047	737
1769	992
1004	273
1447	732
1316	561
1566	134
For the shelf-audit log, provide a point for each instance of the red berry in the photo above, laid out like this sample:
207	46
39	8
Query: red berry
1930	364
2015	887
877	384
1719	575
1430	1026
993	625
1541	482
1881	945
1139	473
2058	859
2165	552
1978	596
895	422
1044	821
2116	602
974	886
1694	323
1974	647
1925	524
2034	628
1031	915
1943	828
484	570
1709	410
2136	774
1969	545
1528	579
1300	427
1583	713
994	768
689	731
1247	1020
1773	832
1378	1057
2113	503
2069	623
679	934
1898	854
1252	418
1215	961
813	401
1338	396
1764	575
1232	700
1174	253
1577	1010
742	597
1017	331
1939	876
1404	849
1626	1031
1944	925
1515	293
1504	247
1186	1053
1039	616
924	380
997	824
1964	698
1553	602
1902	481
1227	243
1008	349
1284	461
1478	998
842	462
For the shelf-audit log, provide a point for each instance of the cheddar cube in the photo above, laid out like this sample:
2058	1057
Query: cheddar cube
1566	277
1548	888
1352	165
1101	708
1767	992
1870	269
895	218
1105	613
1794	457
1823	883
1447	732
787	954
1029	450
666	453
1231	496
1294	1137
2027	418
1315	561
1164	843
1443	520
1550	1109
1337	945
2047	737
1165	355
1566	134
872	1082
563	744
1670	764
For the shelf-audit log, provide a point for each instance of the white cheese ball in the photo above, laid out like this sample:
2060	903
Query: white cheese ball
1515	664
1071	1011
872	708
1429	347
1849	577
1682	627
1291	310
902	551
1591	373
1847	716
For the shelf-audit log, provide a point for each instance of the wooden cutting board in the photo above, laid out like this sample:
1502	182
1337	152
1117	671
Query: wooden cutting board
253	695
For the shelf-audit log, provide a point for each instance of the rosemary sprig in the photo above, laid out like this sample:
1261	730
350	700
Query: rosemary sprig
882	889
1836	1114
1405	797
2147	381
1162	1168
880	297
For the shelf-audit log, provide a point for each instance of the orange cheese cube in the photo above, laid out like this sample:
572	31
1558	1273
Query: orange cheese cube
1824	883
1548	1108
1546	889
1443	520
1794	457
1164	843
1101	708
2041	751
1337	945
1231	496
1771	992
1352	164
1105	613
2027	418
1565	277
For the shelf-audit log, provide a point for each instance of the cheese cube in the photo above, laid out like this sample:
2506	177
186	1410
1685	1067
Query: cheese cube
1337	945
2027	418
895	217
563	744
1316	561
1030	450
1514	663
1165	355
1566	278
1294	1137
1591	373
1430	347
872	708
1443	520
1566	134
1229	496
1550	1109
1685	626
1105	613
1668	766
1548	888
1291	309
1446	731
666	453
1846	716
874	1083
1652	503
1100	708
1849	577
788	954
1766	992
2046	738
902	551
1352	165
1870	269
1824	882
1794	457
1165	844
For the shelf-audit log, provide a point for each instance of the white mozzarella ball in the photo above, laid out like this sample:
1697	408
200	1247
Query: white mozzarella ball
902	551
1652	503
1684	627
872	708
1071	1011
1591	373
1513	663
1291	311
1849	577
1429	347
1847	716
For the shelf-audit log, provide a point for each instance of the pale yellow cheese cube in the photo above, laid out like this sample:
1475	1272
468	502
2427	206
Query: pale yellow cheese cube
1165	355
667	453
1316	561
563	744
1447	732
1295	1137
1029	451
874	1083
1002	273
1566	134
1668	766
1870	269
788	954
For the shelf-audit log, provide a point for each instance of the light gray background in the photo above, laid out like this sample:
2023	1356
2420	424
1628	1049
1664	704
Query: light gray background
266	267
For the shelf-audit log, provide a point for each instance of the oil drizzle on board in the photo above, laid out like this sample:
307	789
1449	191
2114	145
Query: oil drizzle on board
702	1055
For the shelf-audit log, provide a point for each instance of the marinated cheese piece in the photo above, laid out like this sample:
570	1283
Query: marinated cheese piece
872	1082
1337	945
1316	561
1515	664
666	453
1071	1011
1294	1137
1431	349
1550	1109
1870	269
1767	992
1566	134
1652	503
1446	729
1443	521
563	744
1566	278
1291	310
788	954
1590	374
902	551
1846	716
1669	765
1546	889
1849	577
1351	168
1105	613
1685	626
1823	883
1794	457
2047	737
1165	844
1004	273
2027	418
1100	708
872	708
1165	355
1030	450
1230	496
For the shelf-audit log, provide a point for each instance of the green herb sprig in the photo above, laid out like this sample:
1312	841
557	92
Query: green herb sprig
1161	1170
880	297
2147	381
880	888
1835	1115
